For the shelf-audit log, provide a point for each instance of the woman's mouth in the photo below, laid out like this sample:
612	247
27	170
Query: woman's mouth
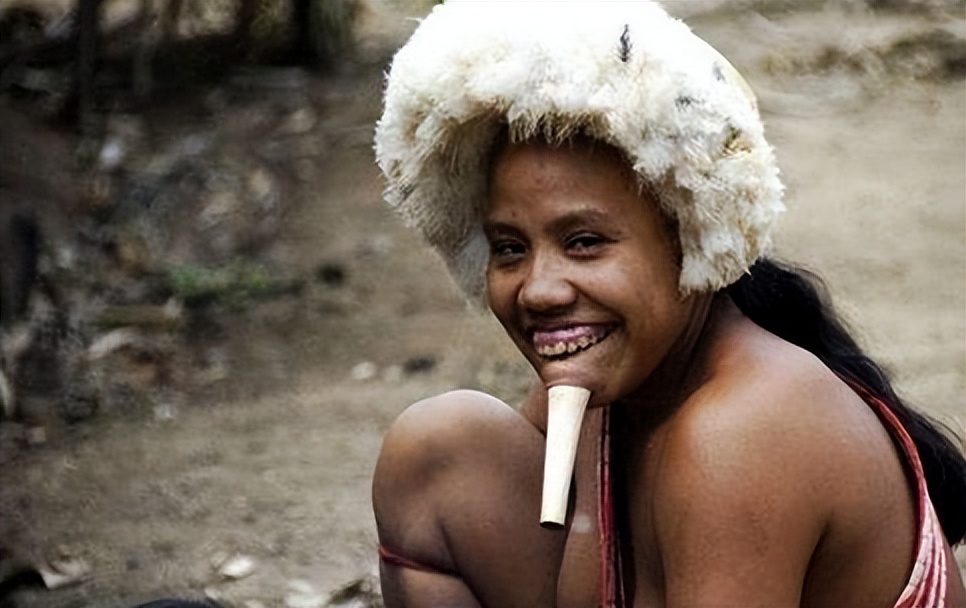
561	343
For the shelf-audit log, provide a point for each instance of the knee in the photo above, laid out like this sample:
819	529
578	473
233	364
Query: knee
431	443
460	434
435	434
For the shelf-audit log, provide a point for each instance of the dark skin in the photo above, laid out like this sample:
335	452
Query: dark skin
753	476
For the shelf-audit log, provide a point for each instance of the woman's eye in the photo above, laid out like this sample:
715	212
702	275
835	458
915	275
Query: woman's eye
504	250
585	242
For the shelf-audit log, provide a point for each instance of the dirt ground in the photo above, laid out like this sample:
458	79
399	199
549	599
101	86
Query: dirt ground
270	462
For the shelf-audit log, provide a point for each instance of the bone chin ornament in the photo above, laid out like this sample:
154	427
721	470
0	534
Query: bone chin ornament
565	413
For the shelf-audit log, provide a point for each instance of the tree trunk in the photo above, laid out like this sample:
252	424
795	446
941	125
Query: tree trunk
86	36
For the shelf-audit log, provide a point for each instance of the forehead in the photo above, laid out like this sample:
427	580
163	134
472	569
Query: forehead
579	164
579	169
540	159
579	181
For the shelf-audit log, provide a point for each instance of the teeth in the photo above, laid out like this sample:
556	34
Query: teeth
567	347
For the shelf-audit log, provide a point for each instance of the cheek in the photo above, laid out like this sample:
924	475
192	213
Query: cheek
645	284
656	275
656	311
500	296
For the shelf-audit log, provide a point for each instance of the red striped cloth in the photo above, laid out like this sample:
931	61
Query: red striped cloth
926	587
394	559
611	571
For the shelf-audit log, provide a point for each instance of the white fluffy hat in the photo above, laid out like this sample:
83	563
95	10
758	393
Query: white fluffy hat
620	71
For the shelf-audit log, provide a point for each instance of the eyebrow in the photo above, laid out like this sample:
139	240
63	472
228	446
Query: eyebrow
575	218
558	225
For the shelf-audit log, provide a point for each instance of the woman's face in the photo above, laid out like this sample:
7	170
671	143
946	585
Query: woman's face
583	271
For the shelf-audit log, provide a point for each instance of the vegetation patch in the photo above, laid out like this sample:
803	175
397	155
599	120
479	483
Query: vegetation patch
232	285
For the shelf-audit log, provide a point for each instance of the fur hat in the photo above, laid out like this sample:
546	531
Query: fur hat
623	72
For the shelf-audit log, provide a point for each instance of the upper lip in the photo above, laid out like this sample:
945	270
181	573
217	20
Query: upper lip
555	325
533	327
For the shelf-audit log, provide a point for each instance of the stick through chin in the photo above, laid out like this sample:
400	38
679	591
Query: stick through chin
565	413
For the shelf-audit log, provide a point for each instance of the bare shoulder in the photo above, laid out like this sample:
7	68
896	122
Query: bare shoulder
769	403
768	460
765	425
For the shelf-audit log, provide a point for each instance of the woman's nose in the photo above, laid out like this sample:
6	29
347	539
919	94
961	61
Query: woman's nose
547	287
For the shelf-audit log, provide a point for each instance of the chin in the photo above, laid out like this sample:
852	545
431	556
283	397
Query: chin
572	373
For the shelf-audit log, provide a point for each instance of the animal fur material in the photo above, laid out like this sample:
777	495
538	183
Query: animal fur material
624	73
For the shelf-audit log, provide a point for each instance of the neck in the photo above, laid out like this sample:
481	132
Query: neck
680	373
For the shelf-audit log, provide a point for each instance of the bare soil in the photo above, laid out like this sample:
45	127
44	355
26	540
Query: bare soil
264	446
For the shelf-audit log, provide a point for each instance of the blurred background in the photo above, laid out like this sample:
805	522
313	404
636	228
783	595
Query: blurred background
209	316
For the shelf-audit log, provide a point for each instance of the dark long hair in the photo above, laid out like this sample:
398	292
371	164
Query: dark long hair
793	304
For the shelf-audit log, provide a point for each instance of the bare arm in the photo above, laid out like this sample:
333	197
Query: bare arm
457	489
406	486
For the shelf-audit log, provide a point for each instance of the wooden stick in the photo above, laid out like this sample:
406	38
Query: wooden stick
565	413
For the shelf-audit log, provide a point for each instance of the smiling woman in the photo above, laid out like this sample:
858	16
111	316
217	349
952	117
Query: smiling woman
599	176
581	262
